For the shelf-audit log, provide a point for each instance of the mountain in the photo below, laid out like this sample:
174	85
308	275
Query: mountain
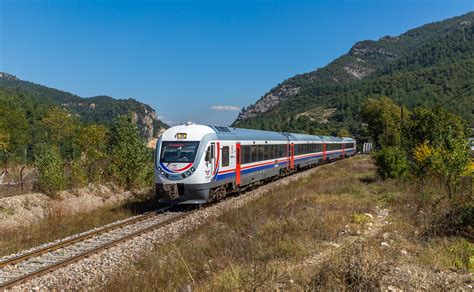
426	66
97	109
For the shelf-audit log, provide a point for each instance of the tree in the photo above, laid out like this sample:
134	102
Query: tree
59	125
93	143
445	135
4	138
384	120
14	130
128	152
343	132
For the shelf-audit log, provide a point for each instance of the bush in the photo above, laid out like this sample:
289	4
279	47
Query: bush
78	175
51	177
391	162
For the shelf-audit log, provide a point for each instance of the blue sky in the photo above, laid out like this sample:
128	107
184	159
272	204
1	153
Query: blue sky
193	60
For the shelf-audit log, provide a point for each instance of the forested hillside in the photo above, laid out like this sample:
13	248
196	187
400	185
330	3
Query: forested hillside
33	117
427	66
97	109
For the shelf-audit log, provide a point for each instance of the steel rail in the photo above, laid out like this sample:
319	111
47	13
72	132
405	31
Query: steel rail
86	235
74	258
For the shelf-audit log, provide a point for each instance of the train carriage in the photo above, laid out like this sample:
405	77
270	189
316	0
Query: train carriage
196	164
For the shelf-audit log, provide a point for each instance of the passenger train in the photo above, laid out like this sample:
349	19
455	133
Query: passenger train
196	164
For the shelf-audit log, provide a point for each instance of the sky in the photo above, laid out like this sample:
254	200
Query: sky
199	61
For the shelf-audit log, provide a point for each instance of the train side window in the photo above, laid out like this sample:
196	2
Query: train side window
275	151
261	152
254	153
281	150
225	156
246	154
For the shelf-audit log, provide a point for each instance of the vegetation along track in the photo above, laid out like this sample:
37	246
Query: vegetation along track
37	262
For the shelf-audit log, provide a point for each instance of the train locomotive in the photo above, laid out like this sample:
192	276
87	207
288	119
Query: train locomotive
196	164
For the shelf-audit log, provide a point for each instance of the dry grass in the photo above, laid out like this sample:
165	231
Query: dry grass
250	248
256	246
60	224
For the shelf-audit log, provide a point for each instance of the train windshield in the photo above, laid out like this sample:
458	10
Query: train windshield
177	152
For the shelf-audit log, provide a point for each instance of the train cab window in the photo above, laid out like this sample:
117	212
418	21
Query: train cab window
225	156
183	152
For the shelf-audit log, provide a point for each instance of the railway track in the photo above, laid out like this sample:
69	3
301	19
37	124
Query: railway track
44	260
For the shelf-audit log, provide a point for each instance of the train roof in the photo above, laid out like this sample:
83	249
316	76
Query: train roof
231	133
305	137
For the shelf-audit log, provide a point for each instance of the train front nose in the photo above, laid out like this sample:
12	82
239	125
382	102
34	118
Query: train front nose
180	193
176	175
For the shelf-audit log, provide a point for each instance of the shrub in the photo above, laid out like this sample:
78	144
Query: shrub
51	177
78	175
391	162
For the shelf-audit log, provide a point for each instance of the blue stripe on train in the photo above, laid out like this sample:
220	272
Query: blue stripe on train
248	170
253	169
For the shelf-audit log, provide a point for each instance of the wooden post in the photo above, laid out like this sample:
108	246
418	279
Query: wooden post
21	178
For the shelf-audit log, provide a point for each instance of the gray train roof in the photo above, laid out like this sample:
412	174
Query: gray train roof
305	137
230	133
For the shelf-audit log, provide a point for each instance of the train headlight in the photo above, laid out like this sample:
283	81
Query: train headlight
159	168
162	173
167	175
183	175
188	172
193	169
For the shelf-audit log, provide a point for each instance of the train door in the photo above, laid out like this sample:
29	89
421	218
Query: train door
237	164
324	151
291	153
214	160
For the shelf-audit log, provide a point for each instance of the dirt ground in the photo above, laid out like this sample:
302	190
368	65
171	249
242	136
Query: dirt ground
24	210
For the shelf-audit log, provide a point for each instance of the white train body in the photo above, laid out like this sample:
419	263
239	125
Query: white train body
196	164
